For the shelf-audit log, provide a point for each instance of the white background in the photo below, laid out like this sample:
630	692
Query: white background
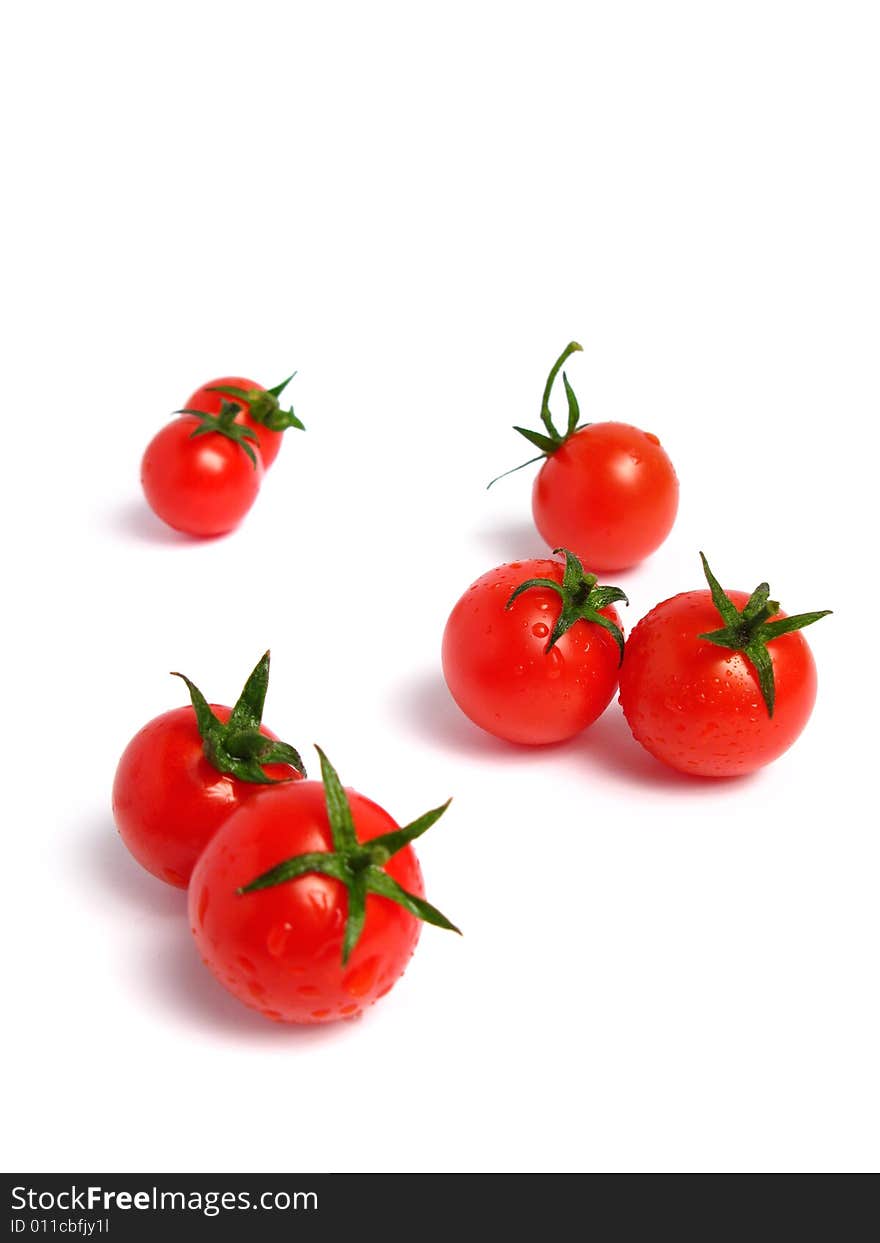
417	206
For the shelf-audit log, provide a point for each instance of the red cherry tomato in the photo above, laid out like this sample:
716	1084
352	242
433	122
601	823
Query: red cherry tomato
701	707
203	485
281	949
169	801
210	402
169	795
498	667
609	493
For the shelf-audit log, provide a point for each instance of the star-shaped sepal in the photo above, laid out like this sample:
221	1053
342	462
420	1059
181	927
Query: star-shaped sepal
238	747
582	598
263	405
750	630
360	867
224	424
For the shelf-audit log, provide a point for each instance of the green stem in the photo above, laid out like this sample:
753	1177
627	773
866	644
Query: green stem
546	418
359	867
750	630
550	440
238	747
224	424
582	599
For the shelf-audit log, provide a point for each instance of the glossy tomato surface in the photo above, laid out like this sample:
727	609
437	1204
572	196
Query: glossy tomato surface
279	950
497	669
610	494
209	403
201	485
168	800
698	707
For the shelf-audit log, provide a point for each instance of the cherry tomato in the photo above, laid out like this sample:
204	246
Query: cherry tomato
183	774
203	485
290	909
607	491
534	665
209	401
718	695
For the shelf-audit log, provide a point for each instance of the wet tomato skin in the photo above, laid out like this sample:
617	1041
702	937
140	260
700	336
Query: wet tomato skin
609	493
698	707
210	402
279	950
497	670
201	485
169	801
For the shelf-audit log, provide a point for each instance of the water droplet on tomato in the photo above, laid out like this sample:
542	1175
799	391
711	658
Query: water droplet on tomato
555	663
276	941
361	978
540	631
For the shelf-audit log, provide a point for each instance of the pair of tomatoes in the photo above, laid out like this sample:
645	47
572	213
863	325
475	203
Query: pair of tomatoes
712	683
202	472
305	899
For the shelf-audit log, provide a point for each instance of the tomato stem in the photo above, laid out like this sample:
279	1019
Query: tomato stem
224	424
358	867
582	598
238	747
546	417
750	630
550	439
263	405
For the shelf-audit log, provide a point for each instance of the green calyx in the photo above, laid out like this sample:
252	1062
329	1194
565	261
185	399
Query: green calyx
238	747
224	424
750	630
360	867
550	439
263	405
582	598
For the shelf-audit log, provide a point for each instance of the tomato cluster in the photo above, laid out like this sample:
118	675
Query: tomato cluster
532	652
201	473
305	898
